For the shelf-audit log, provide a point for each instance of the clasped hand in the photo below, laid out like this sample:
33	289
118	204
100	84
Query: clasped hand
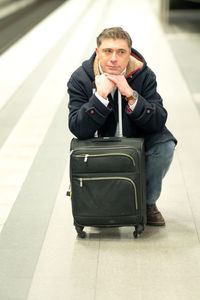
105	84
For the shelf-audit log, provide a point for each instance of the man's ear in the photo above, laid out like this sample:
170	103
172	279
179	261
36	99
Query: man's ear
96	51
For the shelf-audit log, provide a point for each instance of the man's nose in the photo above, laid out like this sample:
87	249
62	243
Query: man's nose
114	56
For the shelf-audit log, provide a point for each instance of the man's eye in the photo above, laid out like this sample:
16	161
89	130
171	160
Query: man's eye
107	50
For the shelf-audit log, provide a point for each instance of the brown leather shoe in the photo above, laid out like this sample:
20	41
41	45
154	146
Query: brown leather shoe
154	217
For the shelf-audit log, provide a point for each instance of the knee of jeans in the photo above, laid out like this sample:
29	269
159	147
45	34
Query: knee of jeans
169	149
163	151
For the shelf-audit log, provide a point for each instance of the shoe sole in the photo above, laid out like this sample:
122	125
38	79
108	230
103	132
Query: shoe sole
155	224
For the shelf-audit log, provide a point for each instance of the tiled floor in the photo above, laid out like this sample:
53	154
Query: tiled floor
40	256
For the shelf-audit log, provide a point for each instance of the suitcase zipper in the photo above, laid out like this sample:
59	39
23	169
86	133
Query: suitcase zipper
103	148
86	156
111	178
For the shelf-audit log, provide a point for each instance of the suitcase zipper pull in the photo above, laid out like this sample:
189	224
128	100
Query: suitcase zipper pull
85	158
81	182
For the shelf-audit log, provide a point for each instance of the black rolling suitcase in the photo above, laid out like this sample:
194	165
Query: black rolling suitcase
107	178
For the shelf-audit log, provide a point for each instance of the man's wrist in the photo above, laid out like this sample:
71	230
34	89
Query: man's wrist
131	105
131	102
103	95
132	98
103	100
129	93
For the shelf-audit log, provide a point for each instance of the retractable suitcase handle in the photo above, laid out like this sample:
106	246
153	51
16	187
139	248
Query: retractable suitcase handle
106	139
120	114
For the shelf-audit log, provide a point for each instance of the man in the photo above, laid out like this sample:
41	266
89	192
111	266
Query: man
93	106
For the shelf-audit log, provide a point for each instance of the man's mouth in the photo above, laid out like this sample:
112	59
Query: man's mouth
113	67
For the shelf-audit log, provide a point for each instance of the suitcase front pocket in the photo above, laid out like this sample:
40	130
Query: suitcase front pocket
104	196
103	162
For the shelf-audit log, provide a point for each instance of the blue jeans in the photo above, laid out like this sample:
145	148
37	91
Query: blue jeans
158	160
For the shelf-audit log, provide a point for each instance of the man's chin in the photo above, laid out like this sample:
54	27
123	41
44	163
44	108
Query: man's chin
113	72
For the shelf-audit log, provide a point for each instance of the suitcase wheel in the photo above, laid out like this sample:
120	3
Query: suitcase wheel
138	230
81	233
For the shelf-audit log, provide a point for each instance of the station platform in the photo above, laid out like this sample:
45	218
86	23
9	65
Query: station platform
8	7
41	257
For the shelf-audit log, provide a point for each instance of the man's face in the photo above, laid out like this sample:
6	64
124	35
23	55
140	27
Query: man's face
113	56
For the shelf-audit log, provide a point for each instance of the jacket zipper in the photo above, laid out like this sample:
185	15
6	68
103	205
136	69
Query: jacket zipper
85	156
81	180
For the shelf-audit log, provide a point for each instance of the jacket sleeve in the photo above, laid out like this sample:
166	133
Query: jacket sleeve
86	113
149	113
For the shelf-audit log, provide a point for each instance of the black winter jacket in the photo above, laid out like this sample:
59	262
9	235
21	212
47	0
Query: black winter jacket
87	114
